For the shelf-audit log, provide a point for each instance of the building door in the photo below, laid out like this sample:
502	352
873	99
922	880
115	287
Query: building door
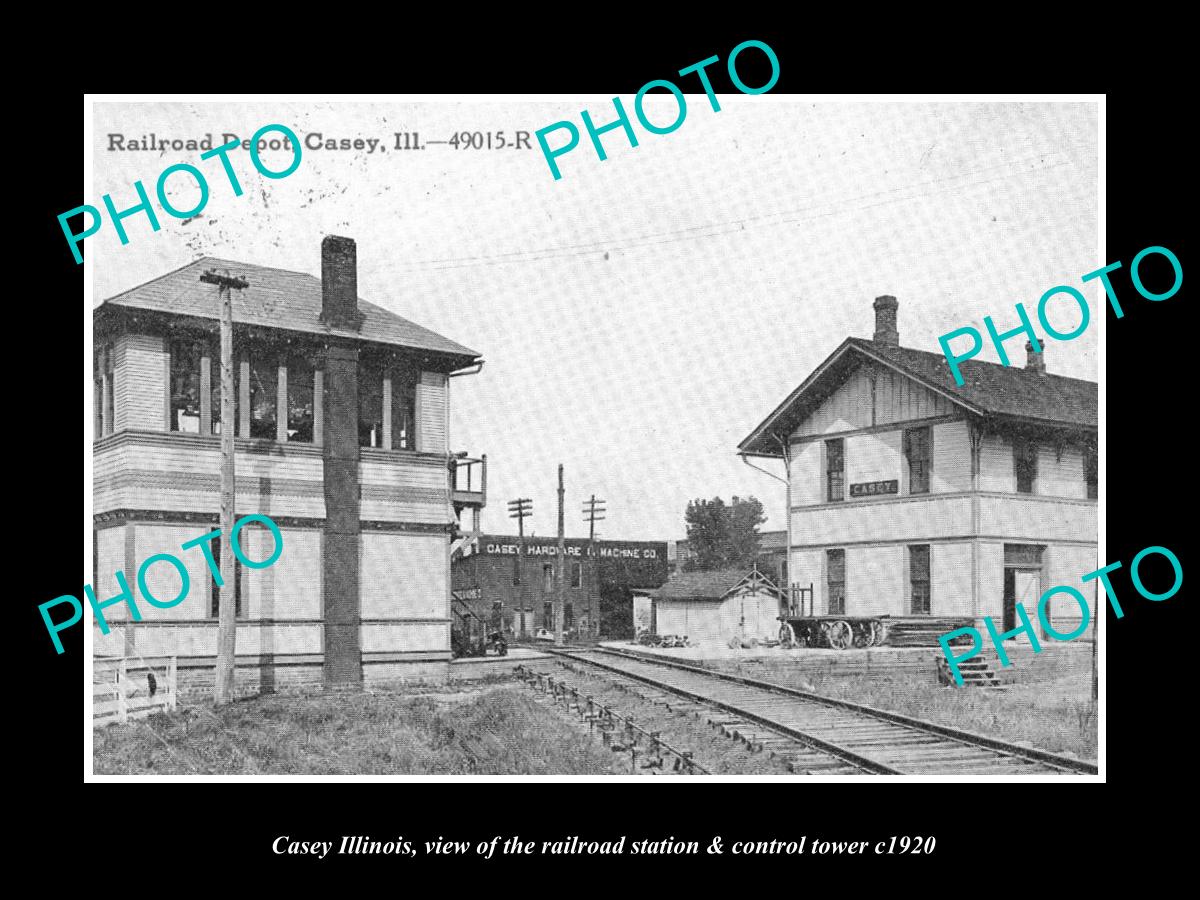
835	582
1022	586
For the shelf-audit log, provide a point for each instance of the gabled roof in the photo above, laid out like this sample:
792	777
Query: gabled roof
276	298
714	584
988	389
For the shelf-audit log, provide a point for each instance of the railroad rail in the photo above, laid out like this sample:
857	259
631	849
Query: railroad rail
851	736
605	719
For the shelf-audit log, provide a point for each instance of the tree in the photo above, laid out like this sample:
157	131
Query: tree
723	536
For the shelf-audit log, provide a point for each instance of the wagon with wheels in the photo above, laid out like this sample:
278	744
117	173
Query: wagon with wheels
838	632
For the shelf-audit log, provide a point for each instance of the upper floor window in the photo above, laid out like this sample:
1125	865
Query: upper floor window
264	391
1090	466
400	414
370	407
1025	463
920	462
835	469
547	577
576	574
404	410
299	398
104	390
185	385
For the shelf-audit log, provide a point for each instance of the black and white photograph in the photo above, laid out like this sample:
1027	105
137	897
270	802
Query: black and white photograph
420	445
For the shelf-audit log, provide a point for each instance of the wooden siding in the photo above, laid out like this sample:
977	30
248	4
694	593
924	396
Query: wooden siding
404	575
164	474
808	481
400	637
874	581
951	458
996	471
1026	518
949	579
713	623
875	456
897	399
432	418
140	387
405	489
1061	477
917	518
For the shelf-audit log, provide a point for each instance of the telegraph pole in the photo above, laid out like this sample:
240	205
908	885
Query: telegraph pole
559	599
519	509
593	512
227	620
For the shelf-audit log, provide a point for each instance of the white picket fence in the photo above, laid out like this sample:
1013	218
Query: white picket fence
124	688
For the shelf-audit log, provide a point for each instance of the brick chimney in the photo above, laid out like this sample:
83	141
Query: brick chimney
341	546
339	283
885	321
1035	362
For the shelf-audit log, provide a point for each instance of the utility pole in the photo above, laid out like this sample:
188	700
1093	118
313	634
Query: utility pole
227	618
559	599
519	509
593	512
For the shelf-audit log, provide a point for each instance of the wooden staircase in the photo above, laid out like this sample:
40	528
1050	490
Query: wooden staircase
976	672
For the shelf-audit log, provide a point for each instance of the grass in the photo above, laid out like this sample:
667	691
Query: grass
498	731
1053	713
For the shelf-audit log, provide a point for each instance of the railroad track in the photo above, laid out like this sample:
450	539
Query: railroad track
829	736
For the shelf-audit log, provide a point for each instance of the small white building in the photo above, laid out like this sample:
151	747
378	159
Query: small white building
712	607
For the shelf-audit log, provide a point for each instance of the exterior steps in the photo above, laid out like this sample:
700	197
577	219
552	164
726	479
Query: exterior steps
975	672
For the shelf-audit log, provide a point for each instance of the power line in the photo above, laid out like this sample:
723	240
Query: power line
732	226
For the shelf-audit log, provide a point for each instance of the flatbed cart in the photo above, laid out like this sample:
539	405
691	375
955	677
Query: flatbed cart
838	632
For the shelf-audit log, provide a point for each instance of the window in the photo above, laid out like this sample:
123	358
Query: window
576	574
370	407
1090	465
835	564
918	576
783	579
264	388
98	373
516	571
548	615
185	385
299	398
215	608
917	449
835	469
404	410
1025	459
568	616
547	577
109	395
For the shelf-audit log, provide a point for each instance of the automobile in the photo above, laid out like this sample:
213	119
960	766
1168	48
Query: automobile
544	634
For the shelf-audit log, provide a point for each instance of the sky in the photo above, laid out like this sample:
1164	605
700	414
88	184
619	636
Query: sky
642	314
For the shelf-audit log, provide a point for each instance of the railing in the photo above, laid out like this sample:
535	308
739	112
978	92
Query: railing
123	688
468	479
799	593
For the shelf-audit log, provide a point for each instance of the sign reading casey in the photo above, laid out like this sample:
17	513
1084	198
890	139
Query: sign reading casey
872	488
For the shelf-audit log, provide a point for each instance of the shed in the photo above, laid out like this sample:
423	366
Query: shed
710	607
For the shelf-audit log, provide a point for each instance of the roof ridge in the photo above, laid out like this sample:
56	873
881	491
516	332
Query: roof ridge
970	362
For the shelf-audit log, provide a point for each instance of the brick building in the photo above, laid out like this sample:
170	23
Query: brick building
490	575
342	418
909	495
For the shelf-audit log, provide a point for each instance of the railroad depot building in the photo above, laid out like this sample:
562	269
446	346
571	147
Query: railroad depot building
491	577
911	496
342	439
